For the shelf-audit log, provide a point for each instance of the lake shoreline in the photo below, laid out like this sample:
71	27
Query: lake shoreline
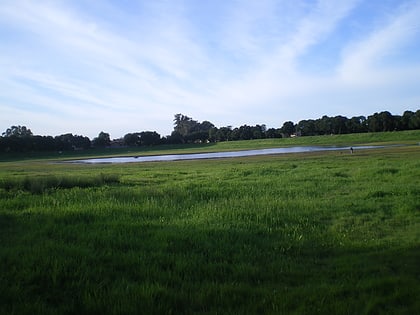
220	155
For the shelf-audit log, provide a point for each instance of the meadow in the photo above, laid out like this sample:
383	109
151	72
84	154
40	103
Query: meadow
310	233
375	138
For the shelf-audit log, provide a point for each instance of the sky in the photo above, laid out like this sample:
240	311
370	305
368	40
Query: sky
123	66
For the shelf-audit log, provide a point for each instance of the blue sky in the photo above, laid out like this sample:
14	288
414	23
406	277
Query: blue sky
126	66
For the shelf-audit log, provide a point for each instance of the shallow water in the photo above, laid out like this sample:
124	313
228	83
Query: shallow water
217	155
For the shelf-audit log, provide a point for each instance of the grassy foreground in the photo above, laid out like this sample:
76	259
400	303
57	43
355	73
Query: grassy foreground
311	233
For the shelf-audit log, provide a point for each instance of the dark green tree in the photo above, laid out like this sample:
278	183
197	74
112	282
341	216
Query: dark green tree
324	125
64	142
405	119
223	134
382	121
17	131
388	121
288	128
259	132
132	139
357	124
81	142
415	121
339	125
17	139
188	130
69	141
184	126
306	127
103	140
245	132
273	133
149	138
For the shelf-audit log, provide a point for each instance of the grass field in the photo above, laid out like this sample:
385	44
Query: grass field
310	233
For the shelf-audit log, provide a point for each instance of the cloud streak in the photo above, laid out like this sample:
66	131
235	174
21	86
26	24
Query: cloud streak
369	55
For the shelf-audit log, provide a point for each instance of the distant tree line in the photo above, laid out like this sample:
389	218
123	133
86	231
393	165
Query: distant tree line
188	130
378	122
21	139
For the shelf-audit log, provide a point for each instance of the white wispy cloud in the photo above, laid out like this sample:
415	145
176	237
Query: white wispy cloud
363	61
118	73
274	74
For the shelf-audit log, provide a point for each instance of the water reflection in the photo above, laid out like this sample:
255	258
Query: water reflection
218	155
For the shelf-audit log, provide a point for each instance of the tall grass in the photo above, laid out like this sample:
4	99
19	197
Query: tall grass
298	234
38	184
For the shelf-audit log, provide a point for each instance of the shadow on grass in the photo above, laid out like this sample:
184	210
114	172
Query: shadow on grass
87	264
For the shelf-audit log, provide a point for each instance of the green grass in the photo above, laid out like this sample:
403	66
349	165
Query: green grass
310	233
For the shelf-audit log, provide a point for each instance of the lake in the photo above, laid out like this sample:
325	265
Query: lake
217	155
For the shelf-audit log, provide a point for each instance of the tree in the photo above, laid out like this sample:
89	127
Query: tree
288	128
13	144
103	140
410	120
185	125
373	123
405	119
149	138
81	142
175	138
383	121
258	132
339	125
324	125
273	133
132	139
206	126
415	121
42	143
357	124
200	132
388	121
68	142
306	127
188	130
223	134
64	142
243	133
17	131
